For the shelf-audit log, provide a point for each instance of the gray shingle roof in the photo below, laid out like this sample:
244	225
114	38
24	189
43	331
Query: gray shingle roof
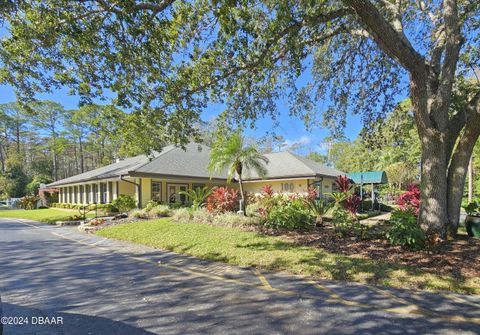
193	163
172	161
109	171
286	164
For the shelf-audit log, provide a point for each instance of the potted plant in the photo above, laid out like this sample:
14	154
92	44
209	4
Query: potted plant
472	221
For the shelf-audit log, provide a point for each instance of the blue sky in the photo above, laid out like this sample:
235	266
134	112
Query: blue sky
291	128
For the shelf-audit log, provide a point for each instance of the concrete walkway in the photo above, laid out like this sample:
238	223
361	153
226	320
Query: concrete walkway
101	286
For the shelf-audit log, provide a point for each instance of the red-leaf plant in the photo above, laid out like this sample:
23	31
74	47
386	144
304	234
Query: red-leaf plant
343	184
222	199
410	199
352	203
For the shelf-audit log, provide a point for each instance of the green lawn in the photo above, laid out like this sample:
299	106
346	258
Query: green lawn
48	215
271	253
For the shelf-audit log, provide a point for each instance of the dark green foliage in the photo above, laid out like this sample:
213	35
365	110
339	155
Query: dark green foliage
124	203
405	230
34	185
290	214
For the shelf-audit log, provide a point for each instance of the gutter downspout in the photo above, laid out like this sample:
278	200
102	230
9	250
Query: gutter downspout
138	188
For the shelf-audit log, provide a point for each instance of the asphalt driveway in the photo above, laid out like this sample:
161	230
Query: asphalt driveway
99	286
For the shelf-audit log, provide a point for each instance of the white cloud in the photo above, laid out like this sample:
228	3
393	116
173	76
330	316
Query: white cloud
293	144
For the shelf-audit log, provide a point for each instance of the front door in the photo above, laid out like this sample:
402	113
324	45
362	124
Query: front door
174	193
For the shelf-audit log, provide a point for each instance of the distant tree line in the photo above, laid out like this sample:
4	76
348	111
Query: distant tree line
42	142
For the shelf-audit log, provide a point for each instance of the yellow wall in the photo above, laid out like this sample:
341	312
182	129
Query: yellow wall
126	188
147	190
299	185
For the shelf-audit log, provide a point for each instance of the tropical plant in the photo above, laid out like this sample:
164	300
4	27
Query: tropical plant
318	208
222	199
352	203
124	203
197	196
405	230
233	156
338	197
343	184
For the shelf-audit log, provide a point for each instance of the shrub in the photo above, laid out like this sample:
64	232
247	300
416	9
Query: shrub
181	215
150	205
124	203
139	214
233	220
410	199
405	230
290	213
342	220
29	202
202	216
222	199
253	209
160	211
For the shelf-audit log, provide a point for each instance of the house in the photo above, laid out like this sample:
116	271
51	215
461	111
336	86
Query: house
165	174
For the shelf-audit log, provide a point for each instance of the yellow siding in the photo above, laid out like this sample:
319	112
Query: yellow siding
147	189
126	188
299	185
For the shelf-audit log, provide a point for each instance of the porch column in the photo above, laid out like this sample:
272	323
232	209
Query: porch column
109	195
85	196
138	192
68	194
92	198
99	193
114	190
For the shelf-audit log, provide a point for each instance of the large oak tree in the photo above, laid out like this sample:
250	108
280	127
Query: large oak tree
167	59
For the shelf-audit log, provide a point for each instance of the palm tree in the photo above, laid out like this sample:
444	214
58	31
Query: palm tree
234	156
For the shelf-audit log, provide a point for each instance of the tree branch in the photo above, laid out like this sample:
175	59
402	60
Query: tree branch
392	42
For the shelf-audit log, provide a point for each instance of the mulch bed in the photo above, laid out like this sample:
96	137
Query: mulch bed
459	257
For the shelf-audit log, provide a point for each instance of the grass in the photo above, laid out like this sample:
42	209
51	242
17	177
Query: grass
243	248
47	215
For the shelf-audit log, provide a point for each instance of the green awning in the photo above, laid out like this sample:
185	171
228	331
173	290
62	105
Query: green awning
369	177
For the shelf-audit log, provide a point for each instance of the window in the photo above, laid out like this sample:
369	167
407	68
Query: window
103	193
287	187
157	191
334	187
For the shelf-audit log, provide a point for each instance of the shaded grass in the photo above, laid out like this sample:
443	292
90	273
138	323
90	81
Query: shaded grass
47	215
233	246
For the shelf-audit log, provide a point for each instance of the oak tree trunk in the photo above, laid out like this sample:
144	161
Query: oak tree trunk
433	216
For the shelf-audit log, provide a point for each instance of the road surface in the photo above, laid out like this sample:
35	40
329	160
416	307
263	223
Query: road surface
91	285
